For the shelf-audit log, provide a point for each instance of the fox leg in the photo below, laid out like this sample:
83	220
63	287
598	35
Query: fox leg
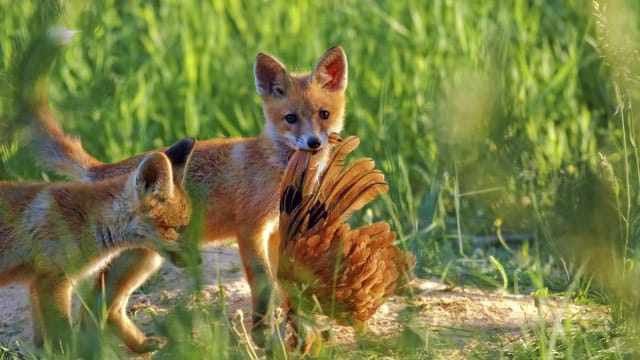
124	275
54	315
305	337
136	267
256	268
36	316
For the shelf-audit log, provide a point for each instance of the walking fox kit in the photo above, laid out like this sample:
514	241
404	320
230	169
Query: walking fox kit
239	178
52	234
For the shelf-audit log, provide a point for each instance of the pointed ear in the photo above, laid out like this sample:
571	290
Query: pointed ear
179	155
331	70
153	176
272	78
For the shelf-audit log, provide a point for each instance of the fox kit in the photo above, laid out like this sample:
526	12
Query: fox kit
53	234
238	178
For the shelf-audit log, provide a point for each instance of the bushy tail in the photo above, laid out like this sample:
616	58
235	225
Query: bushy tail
58	151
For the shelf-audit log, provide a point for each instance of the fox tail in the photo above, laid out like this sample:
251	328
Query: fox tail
58	151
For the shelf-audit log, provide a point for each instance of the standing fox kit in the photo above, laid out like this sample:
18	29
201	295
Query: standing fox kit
53	234
238	178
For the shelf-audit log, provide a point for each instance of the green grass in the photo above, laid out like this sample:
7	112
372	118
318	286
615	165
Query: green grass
486	117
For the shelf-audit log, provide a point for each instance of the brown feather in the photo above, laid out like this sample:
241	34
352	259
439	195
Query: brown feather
336	160
351	272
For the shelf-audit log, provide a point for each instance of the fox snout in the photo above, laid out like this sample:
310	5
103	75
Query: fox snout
182	259
313	143
305	143
181	254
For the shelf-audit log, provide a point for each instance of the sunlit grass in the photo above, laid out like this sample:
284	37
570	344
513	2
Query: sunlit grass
475	111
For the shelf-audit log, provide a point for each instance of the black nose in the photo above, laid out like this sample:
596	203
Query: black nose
313	142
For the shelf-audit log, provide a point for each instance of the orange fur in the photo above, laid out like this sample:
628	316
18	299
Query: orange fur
237	178
53	234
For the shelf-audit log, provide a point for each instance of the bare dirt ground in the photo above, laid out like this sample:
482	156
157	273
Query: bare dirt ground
453	321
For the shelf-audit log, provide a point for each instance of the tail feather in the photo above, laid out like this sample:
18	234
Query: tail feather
353	195
350	272
58	151
336	160
312	201
335	186
292	193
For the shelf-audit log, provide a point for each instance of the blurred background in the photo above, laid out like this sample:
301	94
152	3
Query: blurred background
506	130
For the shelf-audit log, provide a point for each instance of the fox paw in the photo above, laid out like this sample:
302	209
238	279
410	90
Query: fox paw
150	344
305	336
308	340
258	334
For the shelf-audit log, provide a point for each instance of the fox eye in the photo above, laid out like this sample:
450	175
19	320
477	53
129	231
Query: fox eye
179	229
291	118
324	114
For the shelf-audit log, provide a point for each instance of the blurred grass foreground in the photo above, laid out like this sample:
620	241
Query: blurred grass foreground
506	130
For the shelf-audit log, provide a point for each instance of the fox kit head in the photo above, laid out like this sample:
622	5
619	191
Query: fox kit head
303	109
160	204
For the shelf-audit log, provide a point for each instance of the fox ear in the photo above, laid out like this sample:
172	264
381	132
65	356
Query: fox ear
153	176
331	70
272	78
179	155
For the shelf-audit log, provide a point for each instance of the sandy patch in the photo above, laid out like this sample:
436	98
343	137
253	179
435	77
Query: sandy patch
465	317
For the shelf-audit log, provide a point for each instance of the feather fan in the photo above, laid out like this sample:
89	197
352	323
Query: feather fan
324	265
